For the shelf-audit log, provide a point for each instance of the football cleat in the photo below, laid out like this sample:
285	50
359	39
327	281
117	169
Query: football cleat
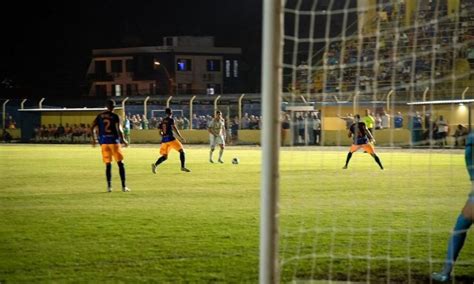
220	161
125	189
153	168
211	161
109	189
440	277
185	169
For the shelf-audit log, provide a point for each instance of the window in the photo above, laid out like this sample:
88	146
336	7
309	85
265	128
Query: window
183	64
152	89
116	66
168	41
101	90
227	68
132	89
210	90
129	65
208	77
213	65
213	88
236	68
184	88
100	67
117	90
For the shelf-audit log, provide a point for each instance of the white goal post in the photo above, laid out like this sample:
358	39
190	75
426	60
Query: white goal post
381	58
272	46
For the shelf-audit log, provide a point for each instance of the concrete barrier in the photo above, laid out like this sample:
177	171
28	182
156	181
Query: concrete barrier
153	136
384	137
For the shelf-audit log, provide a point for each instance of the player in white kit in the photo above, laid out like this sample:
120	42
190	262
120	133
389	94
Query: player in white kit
217	132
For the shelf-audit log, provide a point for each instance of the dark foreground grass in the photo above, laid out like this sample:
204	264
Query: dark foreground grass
362	224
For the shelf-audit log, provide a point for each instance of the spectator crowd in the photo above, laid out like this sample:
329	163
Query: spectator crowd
306	127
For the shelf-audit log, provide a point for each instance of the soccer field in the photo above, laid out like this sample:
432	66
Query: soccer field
361	224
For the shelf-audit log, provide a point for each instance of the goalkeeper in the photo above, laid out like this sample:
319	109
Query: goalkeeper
463	222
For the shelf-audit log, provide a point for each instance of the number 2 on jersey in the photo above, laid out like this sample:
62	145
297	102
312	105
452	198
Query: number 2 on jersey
107	125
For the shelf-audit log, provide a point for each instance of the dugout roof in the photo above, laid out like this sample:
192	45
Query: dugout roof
66	109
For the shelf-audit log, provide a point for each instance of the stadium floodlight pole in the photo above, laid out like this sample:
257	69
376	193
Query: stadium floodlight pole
215	103
4	108
40	104
469	114
392	112
355	103
123	107
240	110
191	112
144	106
22	104
272	46
424	99
168	101
388	99
463	95
303	99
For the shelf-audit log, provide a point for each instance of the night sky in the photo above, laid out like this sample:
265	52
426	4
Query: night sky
47	45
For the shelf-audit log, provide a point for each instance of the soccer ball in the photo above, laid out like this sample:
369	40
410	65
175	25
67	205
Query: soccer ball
235	161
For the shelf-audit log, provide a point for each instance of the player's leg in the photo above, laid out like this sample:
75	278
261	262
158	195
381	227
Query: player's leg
118	156
378	161
468	210
369	148
164	150
221	152
161	159
108	176
210	155
456	242
122	176
212	143
107	159
182	156
221	142
348	158
349	155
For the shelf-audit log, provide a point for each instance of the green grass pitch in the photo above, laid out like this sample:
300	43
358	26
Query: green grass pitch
362	224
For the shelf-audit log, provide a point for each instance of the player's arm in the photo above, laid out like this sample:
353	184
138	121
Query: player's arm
118	124
160	129
94	127
371	137
178	133
210	130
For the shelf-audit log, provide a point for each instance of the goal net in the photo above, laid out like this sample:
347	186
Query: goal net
375	59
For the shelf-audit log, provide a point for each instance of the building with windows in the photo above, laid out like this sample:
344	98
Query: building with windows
182	65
